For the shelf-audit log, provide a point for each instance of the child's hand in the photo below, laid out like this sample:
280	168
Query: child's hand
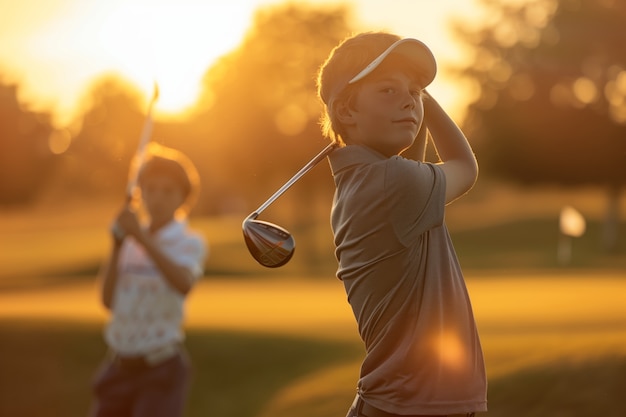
118	233
128	222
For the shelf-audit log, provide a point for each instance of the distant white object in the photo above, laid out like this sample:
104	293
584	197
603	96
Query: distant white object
571	224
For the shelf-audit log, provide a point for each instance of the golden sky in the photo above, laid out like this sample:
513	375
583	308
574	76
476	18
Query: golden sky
53	48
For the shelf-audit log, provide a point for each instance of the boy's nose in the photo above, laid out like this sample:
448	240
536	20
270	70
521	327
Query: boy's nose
410	101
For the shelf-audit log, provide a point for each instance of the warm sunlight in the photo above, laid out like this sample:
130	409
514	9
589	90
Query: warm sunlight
171	43
55	49
146	41
450	349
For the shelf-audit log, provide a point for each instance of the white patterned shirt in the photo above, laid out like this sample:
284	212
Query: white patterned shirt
147	313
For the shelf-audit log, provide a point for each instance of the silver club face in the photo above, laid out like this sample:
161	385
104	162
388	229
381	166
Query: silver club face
271	245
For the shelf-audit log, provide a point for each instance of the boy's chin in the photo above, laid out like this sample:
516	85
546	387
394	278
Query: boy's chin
399	148
390	148
390	151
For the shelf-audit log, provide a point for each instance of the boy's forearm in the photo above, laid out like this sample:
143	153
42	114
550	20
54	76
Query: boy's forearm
457	158
177	276
449	140
108	276
420	143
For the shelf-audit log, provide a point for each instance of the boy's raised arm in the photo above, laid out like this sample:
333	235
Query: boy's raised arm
457	158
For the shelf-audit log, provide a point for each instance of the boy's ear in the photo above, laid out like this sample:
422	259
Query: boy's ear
344	113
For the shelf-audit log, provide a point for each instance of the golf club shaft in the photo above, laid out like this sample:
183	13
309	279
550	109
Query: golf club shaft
146	133
326	151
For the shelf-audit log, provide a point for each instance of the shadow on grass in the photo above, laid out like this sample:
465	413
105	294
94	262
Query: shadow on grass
236	374
569	389
575	389
46	368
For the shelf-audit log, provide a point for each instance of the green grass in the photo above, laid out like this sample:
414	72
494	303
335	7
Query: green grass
496	226
554	337
576	389
573	389
532	243
555	344
47	368
50	256
242	370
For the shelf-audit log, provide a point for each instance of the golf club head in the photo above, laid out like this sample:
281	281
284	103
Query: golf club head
271	245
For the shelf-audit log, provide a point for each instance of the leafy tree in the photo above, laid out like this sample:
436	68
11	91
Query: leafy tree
110	125
550	103
25	156
257	122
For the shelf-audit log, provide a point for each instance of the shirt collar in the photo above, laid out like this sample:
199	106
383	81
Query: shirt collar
173	229
350	155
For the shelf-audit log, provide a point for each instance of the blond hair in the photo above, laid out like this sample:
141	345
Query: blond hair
344	62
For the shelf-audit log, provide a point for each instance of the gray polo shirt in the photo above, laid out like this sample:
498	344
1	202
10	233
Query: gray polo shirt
405	286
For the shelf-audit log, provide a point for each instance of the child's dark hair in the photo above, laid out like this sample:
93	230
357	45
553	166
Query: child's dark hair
160	160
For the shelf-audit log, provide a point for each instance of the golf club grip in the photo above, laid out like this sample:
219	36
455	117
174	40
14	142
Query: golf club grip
325	152
146	134
138	157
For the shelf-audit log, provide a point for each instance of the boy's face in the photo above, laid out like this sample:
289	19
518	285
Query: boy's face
162	196
387	113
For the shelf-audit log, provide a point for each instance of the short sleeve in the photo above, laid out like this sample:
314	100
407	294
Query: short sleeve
192	254
417	197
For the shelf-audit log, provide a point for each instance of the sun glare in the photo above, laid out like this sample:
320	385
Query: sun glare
55	51
173	44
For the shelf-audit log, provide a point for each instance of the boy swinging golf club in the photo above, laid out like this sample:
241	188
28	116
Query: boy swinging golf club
395	256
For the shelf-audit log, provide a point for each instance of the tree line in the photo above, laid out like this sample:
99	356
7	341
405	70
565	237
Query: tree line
549	105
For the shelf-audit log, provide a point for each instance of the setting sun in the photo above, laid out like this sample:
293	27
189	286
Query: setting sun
171	44
54	50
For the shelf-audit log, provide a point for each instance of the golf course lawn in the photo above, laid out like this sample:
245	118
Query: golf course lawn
283	343
555	344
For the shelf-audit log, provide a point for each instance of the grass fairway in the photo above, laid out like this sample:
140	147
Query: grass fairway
549	350
47	368
282	343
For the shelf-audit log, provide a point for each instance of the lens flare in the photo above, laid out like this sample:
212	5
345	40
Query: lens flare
450	349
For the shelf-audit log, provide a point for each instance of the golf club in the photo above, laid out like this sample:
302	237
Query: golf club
146	134
135	164
271	245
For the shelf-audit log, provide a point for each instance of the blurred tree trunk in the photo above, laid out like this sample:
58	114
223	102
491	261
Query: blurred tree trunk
610	236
